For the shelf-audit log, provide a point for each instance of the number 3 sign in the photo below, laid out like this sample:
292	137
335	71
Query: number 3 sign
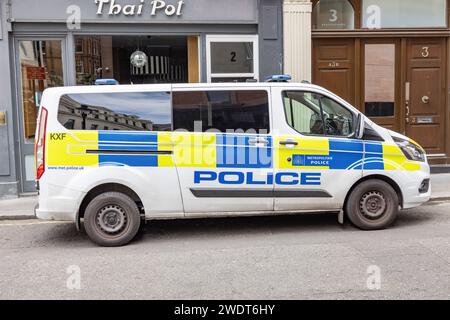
425	52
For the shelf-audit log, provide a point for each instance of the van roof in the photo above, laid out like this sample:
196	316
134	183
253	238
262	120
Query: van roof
133	88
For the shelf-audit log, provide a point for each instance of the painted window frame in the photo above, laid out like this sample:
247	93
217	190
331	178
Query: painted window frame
232	38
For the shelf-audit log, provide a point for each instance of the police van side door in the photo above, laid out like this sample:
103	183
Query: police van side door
223	149
316	159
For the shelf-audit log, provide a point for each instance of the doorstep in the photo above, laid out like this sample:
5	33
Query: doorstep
438	169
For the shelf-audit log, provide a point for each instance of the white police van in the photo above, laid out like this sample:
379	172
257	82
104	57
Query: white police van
111	156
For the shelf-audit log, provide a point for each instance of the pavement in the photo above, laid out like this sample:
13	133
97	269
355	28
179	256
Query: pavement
18	209
440	186
23	208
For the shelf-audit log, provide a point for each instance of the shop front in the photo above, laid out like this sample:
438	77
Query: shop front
66	42
390	59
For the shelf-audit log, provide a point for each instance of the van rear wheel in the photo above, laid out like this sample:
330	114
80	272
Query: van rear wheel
372	205
112	219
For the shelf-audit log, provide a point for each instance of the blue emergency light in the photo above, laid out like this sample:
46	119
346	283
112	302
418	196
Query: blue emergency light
279	78
106	82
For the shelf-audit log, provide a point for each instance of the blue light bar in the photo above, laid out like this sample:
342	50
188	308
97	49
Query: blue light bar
279	78
106	82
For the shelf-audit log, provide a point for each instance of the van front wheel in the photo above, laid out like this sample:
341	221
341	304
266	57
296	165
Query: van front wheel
112	219
372	205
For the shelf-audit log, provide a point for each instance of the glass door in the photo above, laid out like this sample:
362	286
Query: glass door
232	58
380	87
40	65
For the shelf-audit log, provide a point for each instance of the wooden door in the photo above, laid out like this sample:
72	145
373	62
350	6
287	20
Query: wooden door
425	93
334	66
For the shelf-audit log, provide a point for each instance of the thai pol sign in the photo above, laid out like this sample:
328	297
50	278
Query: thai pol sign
114	8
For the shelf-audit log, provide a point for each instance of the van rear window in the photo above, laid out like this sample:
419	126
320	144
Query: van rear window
123	111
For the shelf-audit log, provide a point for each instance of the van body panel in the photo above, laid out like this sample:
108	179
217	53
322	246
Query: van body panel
207	174
329	165
224	172
215	165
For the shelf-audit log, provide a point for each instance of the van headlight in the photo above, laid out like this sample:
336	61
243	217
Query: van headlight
411	150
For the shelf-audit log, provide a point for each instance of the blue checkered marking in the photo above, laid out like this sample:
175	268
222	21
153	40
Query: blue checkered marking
374	156
122	141
235	151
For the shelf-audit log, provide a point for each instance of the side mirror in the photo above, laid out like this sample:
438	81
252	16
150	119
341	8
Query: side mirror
359	132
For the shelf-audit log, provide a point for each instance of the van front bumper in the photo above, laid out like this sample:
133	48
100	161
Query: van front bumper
418	190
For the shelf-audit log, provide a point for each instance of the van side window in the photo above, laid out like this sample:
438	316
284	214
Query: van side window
236	110
303	115
314	114
125	111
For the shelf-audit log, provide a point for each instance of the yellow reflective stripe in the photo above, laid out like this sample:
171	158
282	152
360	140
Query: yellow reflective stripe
306	146
71	150
394	159
165	143
195	150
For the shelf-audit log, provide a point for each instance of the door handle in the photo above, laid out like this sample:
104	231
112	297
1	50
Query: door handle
256	141
289	143
426	99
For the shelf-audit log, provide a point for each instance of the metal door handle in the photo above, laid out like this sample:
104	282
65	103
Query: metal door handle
258	141
426	99
288	143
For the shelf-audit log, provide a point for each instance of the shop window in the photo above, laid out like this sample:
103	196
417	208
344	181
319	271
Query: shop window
379	80
134	59
232	58
404	14
41	68
333	14
134	111
200	111
314	114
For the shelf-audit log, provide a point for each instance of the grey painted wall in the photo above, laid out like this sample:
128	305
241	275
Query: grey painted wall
8	181
270	37
211	11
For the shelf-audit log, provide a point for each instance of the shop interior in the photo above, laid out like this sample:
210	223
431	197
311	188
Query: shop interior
132	59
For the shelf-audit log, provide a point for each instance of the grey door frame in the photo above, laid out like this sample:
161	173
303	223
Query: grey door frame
25	148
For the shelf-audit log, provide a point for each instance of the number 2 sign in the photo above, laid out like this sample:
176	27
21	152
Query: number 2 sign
233	56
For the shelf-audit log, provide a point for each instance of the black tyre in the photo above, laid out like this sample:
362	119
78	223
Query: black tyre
372	205
112	219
